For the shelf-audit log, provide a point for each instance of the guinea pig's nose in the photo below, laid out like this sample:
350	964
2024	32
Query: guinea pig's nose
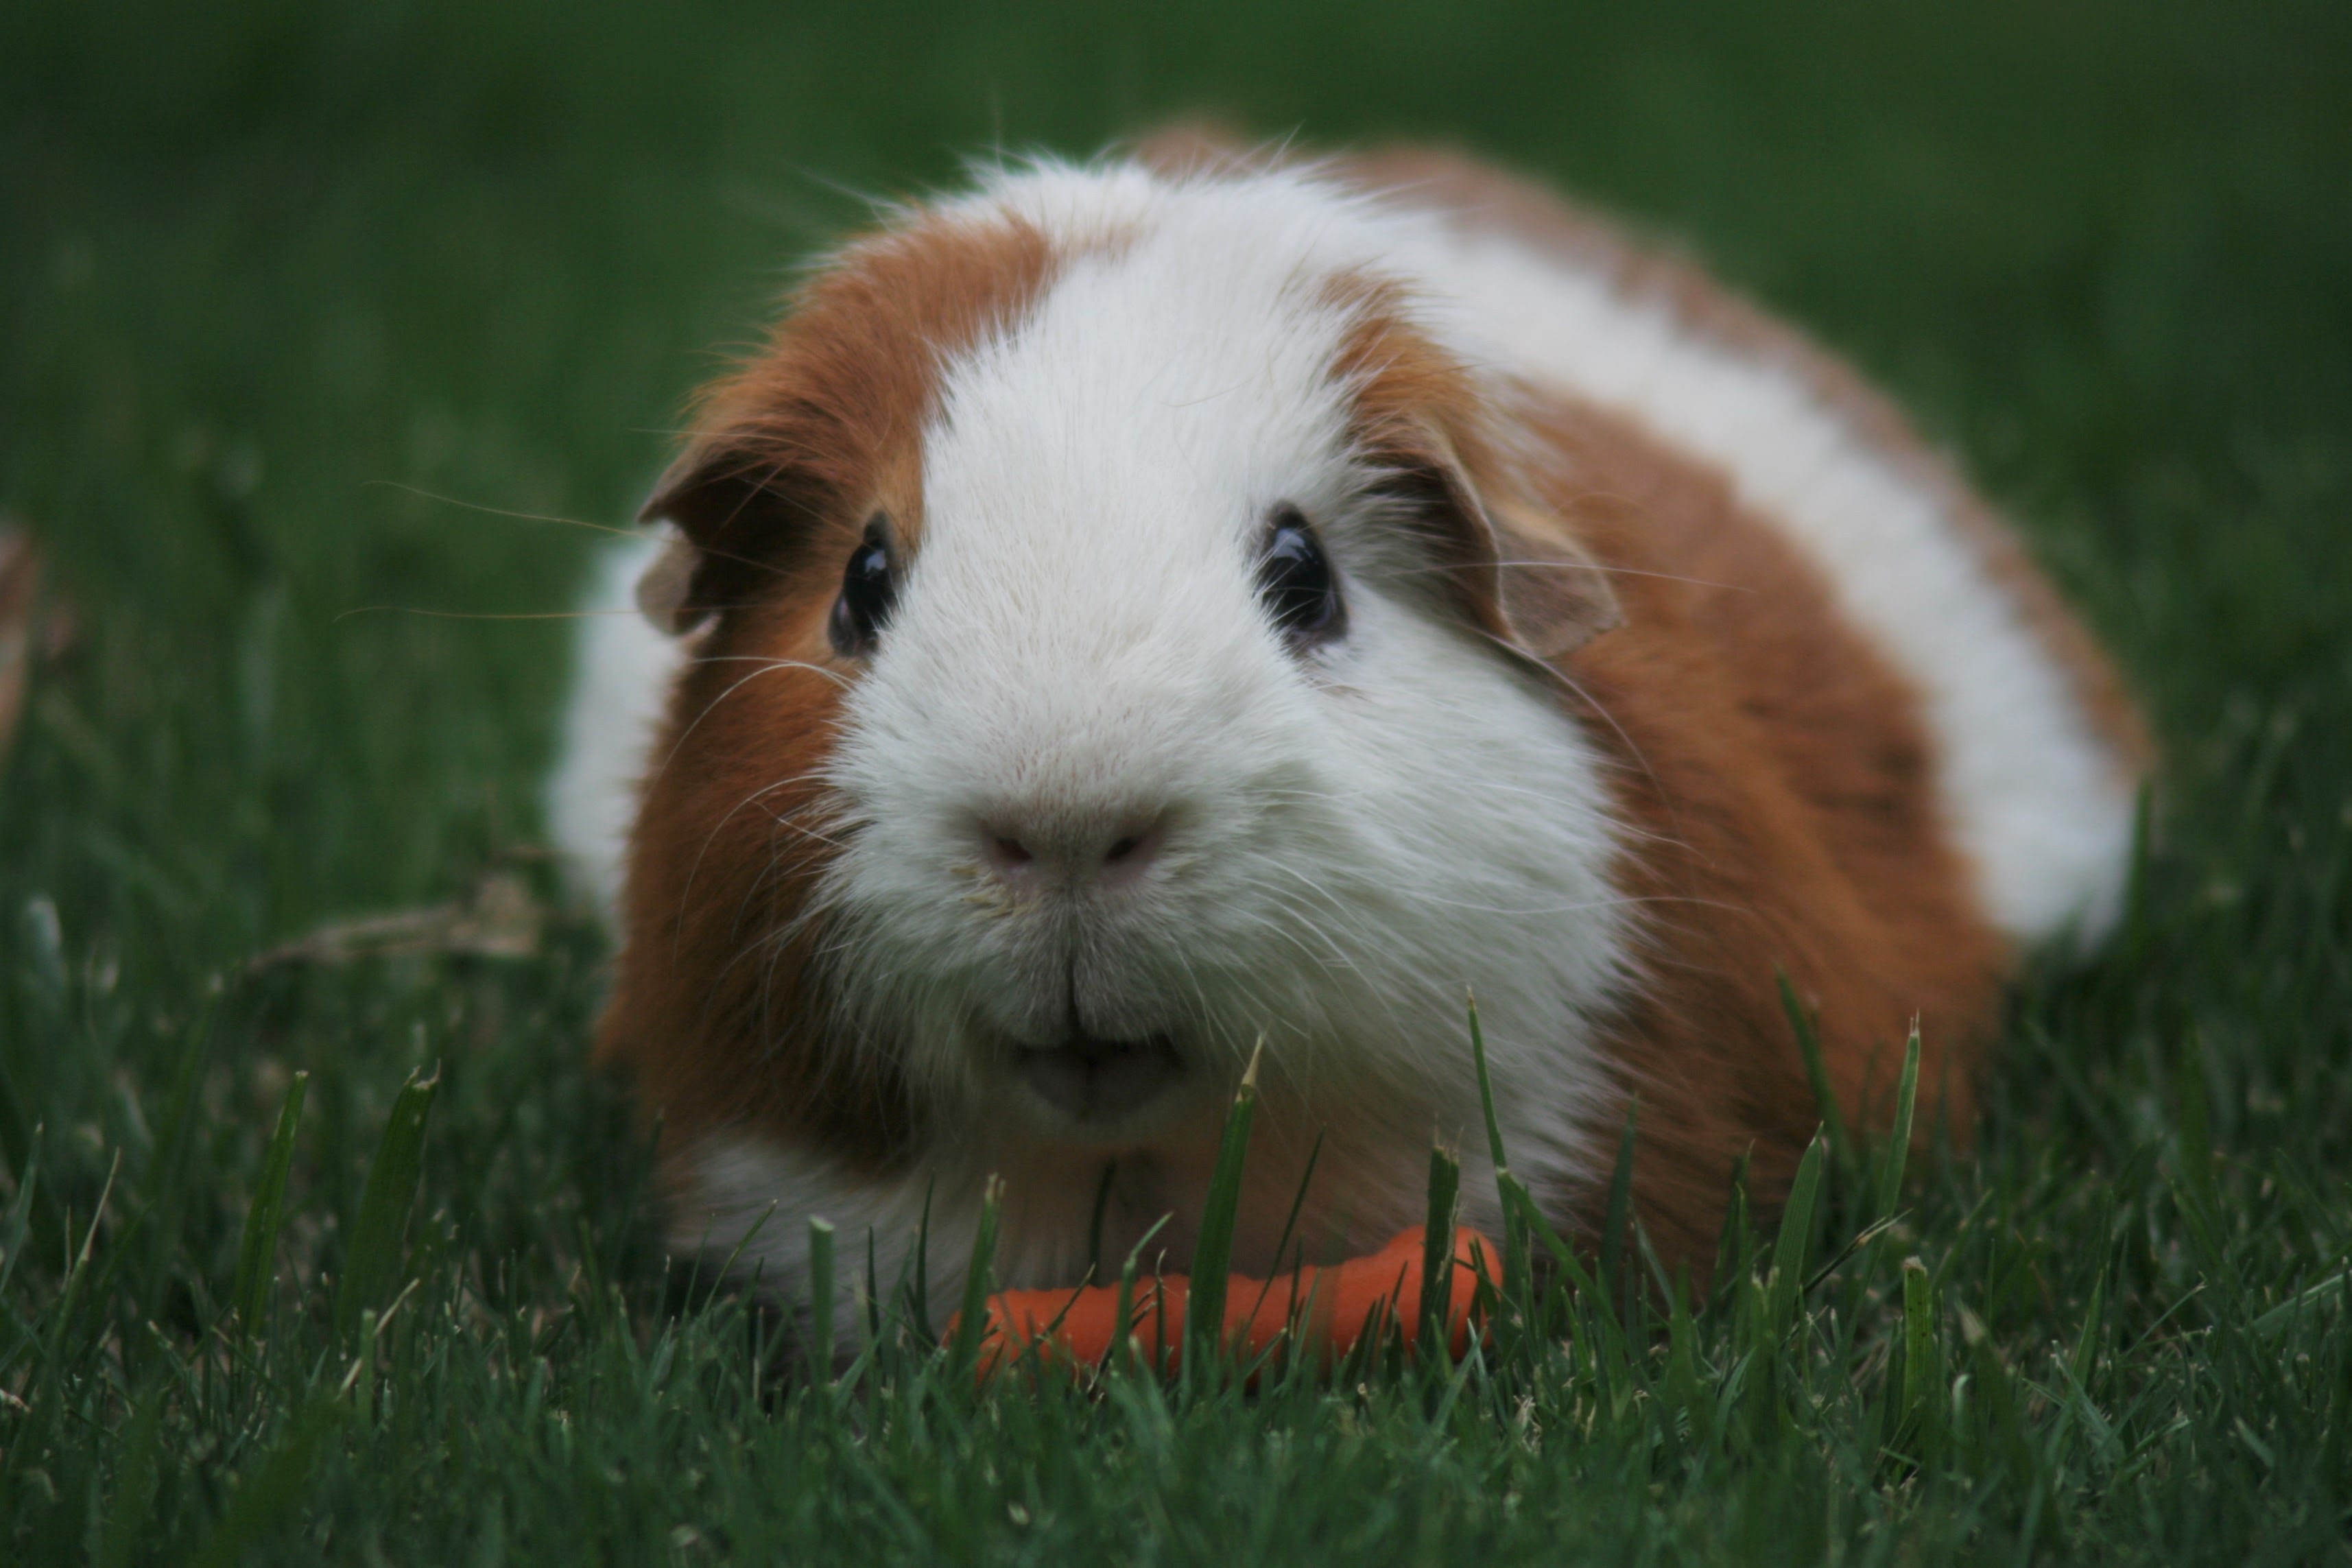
1107	852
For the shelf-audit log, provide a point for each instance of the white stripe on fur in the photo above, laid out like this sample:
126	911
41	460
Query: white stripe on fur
623	671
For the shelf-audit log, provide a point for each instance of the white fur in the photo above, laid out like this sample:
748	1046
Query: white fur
1354	837
623	670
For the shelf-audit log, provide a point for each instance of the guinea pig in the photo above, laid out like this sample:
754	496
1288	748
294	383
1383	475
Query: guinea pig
1134	615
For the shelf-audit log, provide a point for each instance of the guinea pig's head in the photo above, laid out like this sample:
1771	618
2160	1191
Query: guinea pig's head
1117	638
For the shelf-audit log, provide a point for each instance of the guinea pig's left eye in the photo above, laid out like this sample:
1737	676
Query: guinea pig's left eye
869	586
1296	584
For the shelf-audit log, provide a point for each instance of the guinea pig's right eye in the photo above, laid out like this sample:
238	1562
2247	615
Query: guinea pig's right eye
869	588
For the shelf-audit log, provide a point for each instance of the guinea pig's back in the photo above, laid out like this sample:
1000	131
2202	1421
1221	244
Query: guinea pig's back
1857	737
2036	752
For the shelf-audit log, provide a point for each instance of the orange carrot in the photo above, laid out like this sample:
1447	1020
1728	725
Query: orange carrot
1326	1310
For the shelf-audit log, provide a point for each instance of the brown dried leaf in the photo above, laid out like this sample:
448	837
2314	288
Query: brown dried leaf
501	919
20	577
33	625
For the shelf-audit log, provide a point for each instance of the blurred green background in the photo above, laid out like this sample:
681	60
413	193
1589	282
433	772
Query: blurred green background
298	301
264	262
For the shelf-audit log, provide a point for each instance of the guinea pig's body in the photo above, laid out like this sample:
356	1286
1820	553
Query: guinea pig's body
1134	612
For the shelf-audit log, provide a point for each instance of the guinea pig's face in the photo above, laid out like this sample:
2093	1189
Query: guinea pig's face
1129	679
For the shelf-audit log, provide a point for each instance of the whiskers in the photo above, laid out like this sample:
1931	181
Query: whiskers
1447	568
486	510
480	614
630	532
766	667
840	681
819	803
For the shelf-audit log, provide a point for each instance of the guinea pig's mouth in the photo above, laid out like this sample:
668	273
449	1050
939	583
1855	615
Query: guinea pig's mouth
1095	1080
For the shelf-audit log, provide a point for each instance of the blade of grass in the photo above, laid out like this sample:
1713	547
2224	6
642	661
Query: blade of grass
1437	1250
971	1322
873	1288
919	1288
1898	1139
1515	1288
820	1269
78	1271
1682	1361
1095	1220
373	1261
1275	1277
1855	1242
1620	1213
133	1502
2303	1301
1795	1241
1297	1200
257	1249
2196	1146
1124	1306
1809	1043
1204	1311
2086	1344
1486	1089
18	1232
726	1270
165	1183
2000	1392
1734	1248
275	1489
20	1148
1918	1346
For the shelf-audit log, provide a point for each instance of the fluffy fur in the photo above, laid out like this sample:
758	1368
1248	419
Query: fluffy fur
1078	393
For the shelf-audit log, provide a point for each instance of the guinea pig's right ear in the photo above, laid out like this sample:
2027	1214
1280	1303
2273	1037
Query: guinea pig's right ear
663	589
1516	570
665	592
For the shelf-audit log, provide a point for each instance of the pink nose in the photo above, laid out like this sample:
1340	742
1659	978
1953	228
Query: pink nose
1116	850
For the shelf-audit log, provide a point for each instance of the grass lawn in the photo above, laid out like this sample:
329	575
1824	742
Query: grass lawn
298	305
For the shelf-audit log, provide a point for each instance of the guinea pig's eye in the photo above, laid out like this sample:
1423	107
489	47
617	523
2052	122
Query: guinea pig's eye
1293	579
869	588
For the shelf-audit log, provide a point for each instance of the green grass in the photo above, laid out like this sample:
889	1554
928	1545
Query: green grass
268	271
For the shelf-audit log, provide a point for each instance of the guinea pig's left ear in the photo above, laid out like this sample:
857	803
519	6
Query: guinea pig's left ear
1554	596
1516	570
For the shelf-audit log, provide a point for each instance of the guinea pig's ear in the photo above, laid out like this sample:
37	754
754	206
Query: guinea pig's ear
1555	596
664	588
1516	570
725	508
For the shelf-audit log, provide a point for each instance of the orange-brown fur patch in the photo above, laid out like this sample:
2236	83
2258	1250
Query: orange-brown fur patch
717	1004
1775	776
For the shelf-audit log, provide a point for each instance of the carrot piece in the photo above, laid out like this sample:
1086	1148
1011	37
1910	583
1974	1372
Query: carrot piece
1328	1310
